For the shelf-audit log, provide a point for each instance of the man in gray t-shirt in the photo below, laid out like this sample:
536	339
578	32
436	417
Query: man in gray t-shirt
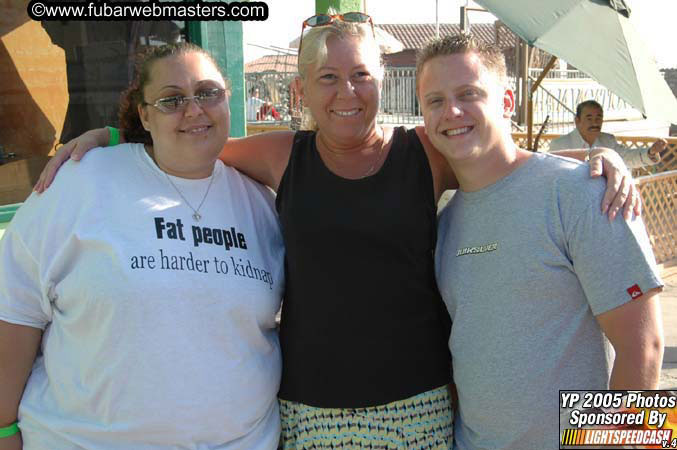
542	288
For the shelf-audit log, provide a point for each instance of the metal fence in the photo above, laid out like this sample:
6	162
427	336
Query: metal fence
557	97
559	74
399	104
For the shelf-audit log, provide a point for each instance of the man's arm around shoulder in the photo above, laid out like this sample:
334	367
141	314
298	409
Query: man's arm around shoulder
635	331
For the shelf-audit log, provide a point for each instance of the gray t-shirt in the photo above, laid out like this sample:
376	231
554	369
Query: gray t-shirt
523	266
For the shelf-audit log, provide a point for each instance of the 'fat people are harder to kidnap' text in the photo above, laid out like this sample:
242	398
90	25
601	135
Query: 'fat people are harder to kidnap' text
228	239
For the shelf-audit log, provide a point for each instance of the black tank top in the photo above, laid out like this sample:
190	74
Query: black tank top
363	323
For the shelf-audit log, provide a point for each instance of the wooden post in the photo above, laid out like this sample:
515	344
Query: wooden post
537	83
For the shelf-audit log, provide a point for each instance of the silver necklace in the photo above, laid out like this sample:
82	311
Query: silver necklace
377	158
378	154
196	214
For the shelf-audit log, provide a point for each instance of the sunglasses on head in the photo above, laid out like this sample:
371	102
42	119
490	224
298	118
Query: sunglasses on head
205	99
321	20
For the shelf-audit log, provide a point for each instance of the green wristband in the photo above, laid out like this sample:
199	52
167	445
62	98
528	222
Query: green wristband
9	431
113	136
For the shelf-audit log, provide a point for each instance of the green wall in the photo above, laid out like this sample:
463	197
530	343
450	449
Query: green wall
342	6
6	214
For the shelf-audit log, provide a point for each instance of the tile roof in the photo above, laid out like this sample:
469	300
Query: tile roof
272	63
415	36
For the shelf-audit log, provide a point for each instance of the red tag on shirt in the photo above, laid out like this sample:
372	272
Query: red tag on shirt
635	291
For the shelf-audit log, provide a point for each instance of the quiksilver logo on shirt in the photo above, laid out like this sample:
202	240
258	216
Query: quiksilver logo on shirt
476	250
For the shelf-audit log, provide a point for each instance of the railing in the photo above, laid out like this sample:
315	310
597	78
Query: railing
398	97
546	104
658	187
659	203
668	157
262	127
559	74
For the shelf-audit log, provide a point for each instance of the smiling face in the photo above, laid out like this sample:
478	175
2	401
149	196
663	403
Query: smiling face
186	142
343	92
589	125
465	106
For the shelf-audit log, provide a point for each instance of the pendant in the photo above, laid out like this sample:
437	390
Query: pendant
197	216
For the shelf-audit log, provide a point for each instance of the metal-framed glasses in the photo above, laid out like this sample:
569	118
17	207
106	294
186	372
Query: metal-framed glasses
321	20
205	99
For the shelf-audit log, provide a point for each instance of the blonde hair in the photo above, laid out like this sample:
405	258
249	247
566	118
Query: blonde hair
314	53
490	55
314	48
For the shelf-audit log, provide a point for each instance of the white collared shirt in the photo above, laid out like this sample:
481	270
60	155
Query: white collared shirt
633	157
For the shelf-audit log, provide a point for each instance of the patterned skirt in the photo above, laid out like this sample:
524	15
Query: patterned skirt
420	422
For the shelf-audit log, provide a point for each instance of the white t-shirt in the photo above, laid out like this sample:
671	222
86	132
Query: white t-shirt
159	331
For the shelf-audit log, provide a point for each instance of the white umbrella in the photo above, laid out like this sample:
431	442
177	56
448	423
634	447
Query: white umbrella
597	37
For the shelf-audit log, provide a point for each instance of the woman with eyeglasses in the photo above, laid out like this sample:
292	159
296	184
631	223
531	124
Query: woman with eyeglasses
138	295
364	331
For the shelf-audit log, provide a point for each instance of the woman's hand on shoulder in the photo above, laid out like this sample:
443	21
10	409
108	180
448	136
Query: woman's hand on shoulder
74	149
621	191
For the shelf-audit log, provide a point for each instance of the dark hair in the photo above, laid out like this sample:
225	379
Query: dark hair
490	55
128	115
585	104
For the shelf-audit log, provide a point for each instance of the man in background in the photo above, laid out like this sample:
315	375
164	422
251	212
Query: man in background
588	134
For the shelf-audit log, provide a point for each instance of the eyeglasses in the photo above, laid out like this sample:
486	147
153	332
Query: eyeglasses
204	99
321	20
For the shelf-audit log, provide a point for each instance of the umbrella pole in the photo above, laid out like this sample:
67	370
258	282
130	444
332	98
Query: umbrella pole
530	109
